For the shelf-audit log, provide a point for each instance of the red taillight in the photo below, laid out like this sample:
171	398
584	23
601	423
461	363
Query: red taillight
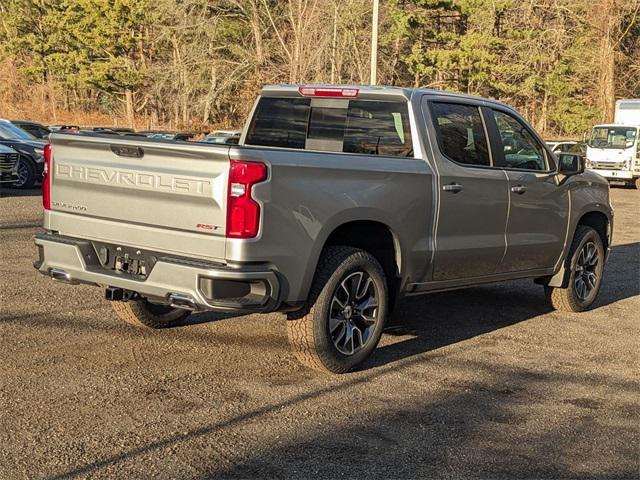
343	92
243	212
46	178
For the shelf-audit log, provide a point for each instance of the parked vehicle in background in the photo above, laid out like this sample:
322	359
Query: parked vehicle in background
121	130
65	128
337	201
229	137
34	128
169	135
579	148
560	146
99	130
134	134
108	130
31	150
614	150
568	146
8	164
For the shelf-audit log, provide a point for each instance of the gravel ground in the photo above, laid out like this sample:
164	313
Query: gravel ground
485	382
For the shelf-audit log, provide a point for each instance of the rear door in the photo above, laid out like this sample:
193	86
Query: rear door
166	189
539	205
474	199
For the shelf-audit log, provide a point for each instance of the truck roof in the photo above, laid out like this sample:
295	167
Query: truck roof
628	101
379	92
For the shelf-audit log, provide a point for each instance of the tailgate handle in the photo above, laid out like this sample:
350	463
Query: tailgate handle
125	151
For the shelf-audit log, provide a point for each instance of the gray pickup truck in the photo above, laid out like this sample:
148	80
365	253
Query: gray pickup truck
336	202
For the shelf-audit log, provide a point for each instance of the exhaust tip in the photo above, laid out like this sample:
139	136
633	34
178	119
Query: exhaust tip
185	302
61	276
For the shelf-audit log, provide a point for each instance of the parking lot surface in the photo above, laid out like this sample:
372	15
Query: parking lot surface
484	382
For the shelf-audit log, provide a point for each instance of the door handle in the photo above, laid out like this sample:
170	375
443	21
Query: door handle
519	189
453	188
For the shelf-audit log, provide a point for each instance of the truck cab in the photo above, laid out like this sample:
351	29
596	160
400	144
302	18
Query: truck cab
613	150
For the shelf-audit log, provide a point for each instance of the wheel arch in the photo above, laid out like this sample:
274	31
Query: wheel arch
595	218
599	222
370	234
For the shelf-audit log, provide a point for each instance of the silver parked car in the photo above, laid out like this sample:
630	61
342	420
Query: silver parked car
231	137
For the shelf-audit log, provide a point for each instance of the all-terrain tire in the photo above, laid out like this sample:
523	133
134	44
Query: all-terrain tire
567	299
308	329
143	313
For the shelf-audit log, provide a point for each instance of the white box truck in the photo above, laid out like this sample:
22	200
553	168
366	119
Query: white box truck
613	150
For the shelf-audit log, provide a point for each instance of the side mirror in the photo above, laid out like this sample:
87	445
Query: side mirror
570	164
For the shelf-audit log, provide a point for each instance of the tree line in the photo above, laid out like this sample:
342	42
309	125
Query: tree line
199	63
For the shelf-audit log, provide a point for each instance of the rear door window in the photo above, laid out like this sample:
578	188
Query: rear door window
349	126
461	133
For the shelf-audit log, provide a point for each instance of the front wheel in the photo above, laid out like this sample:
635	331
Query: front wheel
343	320
143	313
586	266
26	173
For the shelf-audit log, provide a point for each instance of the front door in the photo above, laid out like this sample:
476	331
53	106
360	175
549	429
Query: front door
539	210
473	196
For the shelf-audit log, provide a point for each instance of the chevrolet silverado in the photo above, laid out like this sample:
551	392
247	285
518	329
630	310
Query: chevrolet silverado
337	201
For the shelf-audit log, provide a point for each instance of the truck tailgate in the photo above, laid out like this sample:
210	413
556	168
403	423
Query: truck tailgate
114	184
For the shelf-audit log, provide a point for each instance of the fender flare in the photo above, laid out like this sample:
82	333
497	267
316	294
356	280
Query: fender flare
358	214
561	278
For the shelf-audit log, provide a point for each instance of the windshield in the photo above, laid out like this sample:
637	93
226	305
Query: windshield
613	137
9	131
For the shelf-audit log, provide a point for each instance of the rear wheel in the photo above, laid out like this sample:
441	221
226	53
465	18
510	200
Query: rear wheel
586	264
638	183
143	313
343	321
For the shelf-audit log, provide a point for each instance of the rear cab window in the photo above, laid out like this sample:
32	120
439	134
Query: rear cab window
279	122
370	127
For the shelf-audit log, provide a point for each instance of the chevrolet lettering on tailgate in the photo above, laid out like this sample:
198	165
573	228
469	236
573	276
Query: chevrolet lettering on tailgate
134	179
